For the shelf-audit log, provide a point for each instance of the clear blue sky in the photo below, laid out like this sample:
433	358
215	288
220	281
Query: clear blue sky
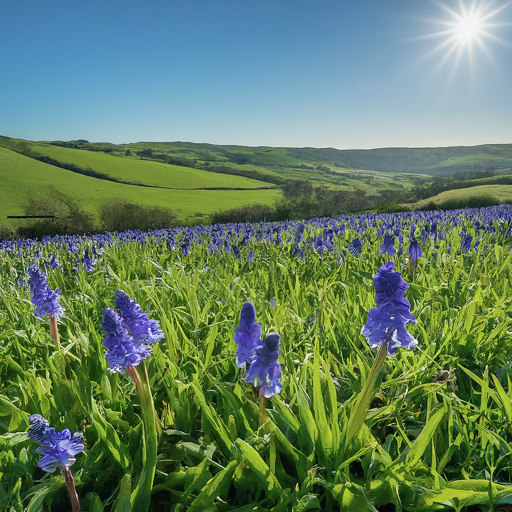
321	73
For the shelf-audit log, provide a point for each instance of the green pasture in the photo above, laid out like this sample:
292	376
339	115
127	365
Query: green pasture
143	171
502	193
436	438
20	176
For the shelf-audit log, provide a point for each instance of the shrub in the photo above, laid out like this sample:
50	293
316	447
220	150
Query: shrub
120	215
69	217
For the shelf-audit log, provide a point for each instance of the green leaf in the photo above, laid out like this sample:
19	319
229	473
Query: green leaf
421	443
219	485
267	481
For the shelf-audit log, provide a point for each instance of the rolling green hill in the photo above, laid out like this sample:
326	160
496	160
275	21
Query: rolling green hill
199	179
502	193
20	176
443	161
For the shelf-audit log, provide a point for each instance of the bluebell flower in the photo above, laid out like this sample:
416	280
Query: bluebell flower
45	299
247	336
356	247
88	261
137	323
415	253
466	243
265	371
388	246
58	448
387	321
122	350
250	256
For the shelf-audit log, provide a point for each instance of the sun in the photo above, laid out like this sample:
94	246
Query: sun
469	28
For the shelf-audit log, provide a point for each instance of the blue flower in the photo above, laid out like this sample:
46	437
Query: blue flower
247	336
466	243
387	321
356	247
388	246
137	323
45	300
88	261
123	352
59	448
415	253
265	371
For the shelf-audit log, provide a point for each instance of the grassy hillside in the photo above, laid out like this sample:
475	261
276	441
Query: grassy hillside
502	193
141	171
214	165
20	176
438	161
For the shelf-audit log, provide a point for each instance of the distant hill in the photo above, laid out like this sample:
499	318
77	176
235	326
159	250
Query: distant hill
442	161
196	179
501	193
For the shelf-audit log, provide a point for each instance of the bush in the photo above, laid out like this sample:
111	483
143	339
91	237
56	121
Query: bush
6	233
250	213
120	215
69	217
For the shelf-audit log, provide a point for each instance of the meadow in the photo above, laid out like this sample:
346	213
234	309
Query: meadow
435	435
21	176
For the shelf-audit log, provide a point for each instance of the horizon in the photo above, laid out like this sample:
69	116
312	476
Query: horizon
339	75
261	146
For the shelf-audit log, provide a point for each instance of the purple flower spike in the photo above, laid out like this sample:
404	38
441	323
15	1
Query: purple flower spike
387	321
59	448
122	351
265	371
247	336
45	300
415	253
139	326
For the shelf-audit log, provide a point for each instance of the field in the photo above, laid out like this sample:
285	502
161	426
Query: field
434	434
502	193
21	176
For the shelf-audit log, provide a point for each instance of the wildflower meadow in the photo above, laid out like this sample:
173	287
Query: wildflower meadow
357	363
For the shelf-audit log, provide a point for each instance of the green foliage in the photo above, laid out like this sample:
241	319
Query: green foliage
119	215
427	443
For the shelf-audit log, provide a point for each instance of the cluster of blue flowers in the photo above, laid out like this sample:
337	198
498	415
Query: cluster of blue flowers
58	448
45	300
387	321
129	333
262	355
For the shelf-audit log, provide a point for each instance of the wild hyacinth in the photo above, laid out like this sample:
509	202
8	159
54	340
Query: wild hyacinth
129	336
356	247
45	300
136	321
265	371
388	246
247	336
122	350
385	329
59	450
387	321
414	250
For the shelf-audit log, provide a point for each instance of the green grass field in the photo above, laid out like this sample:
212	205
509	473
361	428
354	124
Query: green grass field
20	176
502	193
427	430
142	171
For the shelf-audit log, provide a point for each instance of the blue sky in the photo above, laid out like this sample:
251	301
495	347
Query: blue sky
321	73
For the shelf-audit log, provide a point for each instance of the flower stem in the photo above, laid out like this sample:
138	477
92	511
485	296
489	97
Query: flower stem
54	331
70	484
358	413
141	496
263	410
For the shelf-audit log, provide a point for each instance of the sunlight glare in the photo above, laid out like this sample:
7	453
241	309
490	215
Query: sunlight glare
468	27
